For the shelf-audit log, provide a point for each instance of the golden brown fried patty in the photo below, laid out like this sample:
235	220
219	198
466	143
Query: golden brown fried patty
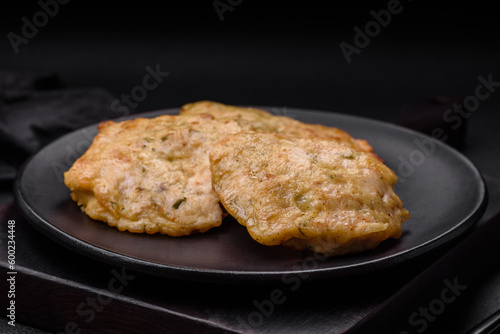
151	175
257	120
306	193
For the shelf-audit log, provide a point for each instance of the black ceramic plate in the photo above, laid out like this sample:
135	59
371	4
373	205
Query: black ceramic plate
443	191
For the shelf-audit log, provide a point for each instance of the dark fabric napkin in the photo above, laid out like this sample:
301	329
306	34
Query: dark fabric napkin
36	108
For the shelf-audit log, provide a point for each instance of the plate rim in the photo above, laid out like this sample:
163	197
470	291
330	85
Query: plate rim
214	275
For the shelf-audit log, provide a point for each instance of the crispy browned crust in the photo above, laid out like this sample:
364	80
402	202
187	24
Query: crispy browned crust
151	175
306	193
258	120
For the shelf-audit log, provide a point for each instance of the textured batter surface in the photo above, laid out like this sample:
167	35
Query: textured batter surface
258	120
151	175
306	193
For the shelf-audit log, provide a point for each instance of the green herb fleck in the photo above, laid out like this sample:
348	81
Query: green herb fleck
178	203
113	204
149	140
349	156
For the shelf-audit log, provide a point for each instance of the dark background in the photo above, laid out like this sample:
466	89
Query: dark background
281	54
278	54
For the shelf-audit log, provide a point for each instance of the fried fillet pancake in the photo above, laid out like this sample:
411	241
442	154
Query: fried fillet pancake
258	120
151	175
306	193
